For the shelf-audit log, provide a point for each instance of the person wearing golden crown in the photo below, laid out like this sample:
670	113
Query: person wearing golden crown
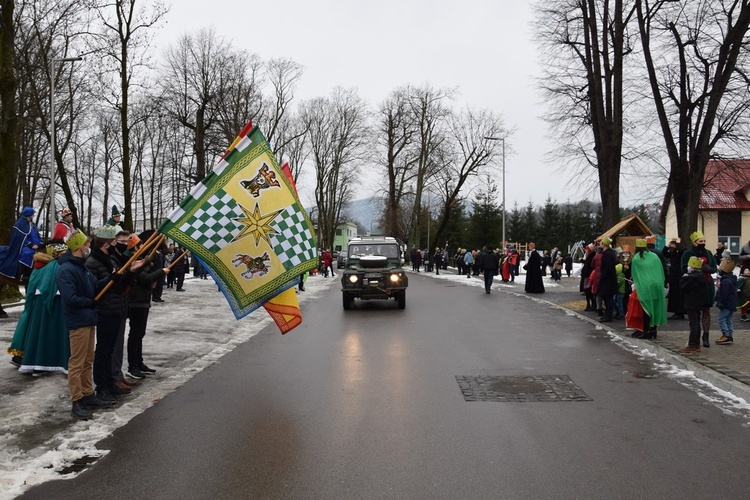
698	249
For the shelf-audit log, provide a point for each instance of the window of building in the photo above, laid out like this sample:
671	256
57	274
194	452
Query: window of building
730	228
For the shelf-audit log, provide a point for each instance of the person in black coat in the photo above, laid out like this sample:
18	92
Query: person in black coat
533	269
180	268
673	255
437	260
490	264
111	309
608	279
585	285
693	287
138	309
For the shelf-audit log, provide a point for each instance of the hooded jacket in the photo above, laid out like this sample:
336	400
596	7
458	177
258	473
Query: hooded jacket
78	287
726	295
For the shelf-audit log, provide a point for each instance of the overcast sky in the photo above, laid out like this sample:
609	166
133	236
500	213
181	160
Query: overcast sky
482	47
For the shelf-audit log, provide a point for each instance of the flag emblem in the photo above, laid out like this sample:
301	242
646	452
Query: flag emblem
245	223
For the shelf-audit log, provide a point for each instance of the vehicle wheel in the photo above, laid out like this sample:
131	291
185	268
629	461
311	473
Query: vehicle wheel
347	301
401	299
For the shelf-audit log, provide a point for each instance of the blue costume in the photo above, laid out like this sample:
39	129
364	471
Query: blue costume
23	236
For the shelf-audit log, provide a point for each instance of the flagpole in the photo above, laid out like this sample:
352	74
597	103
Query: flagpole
150	241
178	259
157	246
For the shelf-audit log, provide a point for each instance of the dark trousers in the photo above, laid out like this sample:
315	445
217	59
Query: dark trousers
694	319
138	320
119	351
179	279
158	289
107	328
489	276
609	305
170	279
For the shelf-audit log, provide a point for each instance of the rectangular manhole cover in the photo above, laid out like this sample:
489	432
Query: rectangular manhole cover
520	389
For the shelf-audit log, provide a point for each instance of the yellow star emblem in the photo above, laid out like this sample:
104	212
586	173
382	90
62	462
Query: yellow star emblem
256	224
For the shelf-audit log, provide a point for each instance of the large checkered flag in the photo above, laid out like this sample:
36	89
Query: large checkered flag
245	223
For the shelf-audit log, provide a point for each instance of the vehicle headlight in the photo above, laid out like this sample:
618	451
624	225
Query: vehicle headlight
353	278
395	278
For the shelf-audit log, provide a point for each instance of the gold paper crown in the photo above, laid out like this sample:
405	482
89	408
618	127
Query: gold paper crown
640	243
696	236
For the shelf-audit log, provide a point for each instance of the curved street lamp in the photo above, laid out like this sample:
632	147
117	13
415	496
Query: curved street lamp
501	139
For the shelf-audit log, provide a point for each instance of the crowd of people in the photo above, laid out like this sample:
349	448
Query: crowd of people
82	293
643	287
490	263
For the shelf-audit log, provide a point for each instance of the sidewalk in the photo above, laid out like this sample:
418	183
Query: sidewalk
725	366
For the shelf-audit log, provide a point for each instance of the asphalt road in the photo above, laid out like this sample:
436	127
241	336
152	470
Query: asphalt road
366	404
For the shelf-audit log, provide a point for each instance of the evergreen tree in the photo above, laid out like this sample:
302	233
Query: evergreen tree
485	224
456	230
529	230
513	224
550	225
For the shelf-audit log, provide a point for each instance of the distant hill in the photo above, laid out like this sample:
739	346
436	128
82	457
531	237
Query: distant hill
366	211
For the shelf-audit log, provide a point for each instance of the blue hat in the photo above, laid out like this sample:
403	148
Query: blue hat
27	212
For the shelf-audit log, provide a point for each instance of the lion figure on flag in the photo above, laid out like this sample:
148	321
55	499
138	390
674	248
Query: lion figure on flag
255	265
265	179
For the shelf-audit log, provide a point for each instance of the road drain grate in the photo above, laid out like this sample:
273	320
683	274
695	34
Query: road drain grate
78	465
520	389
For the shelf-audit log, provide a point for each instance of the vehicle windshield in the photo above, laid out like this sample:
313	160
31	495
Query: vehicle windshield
385	250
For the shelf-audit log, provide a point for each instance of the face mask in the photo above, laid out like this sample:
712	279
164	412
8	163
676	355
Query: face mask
121	247
702	246
88	252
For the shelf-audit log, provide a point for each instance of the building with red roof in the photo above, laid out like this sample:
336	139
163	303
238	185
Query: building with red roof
724	209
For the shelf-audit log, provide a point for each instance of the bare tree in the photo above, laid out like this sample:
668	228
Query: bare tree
8	121
124	42
193	79
47	31
430	110
396	132
294	148
697	58
338	138
283	75
585	43
241	99
472	147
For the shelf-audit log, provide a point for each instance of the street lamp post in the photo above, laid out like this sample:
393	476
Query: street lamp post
53	145
501	139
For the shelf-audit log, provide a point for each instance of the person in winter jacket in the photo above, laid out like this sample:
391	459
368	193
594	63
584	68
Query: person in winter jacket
139	305
78	288
437	260
111	309
693	285
490	264
468	262
620	295
698	249
726	301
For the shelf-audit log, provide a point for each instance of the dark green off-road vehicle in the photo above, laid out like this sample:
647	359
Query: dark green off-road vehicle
373	271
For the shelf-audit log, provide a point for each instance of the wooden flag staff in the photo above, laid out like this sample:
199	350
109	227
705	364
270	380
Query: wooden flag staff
149	242
157	246
178	259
